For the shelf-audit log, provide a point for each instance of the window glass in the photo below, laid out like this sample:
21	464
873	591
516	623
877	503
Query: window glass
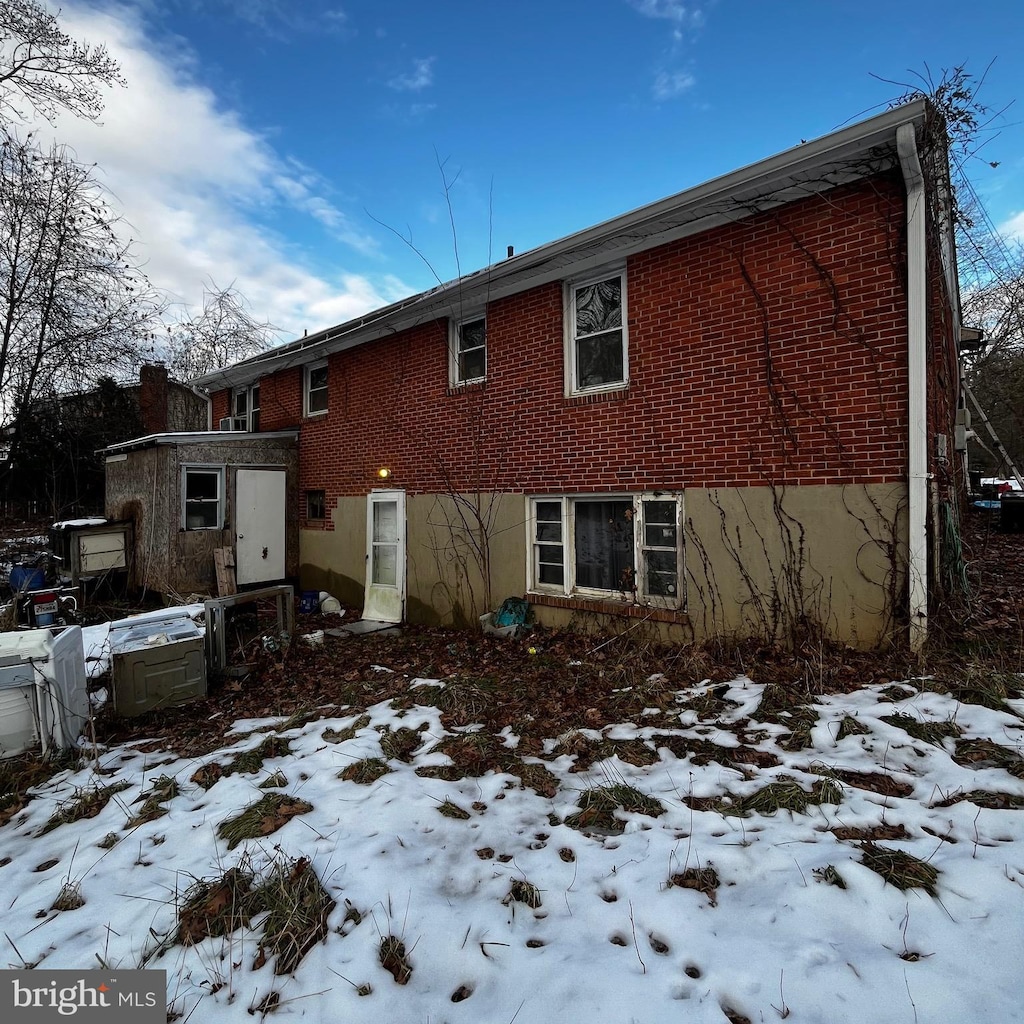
549	551
316	389
597	334
472	351
604	545
315	506
202	499
254	410
660	549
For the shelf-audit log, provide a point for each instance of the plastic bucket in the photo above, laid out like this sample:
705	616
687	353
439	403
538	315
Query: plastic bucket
27	577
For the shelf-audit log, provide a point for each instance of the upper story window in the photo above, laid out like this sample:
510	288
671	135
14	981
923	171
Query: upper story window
314	391
245	408
596	336
316	505
618	547
202	497
468	347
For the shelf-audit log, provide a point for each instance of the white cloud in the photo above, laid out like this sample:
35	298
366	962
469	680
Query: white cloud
1013	228
421	76
191	177
670	10
669	84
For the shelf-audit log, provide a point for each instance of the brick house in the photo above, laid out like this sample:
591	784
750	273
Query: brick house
731	411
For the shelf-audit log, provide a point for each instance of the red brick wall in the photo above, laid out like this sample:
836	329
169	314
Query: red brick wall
768	351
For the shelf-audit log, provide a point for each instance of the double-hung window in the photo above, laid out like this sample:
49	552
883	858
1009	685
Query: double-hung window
202	497
617	547
468	346
245	408
596	333
314	390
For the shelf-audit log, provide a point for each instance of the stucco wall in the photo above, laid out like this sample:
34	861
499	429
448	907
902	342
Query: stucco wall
761	561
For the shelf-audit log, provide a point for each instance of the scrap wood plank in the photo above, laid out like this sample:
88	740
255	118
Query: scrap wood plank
224	561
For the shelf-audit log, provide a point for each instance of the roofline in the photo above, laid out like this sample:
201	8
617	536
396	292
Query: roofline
835	155
196	437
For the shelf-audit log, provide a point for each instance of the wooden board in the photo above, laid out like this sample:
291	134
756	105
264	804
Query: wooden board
224	560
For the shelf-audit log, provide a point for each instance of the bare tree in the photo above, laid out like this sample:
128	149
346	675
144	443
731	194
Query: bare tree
225	332
43	70
73	303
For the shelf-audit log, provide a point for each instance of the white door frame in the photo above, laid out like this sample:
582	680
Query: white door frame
384	599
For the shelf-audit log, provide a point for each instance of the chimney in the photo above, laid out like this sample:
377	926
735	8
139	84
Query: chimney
153	398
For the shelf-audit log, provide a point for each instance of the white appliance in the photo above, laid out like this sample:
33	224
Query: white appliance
44	702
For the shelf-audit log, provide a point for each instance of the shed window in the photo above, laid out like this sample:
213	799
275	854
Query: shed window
203	498
315	391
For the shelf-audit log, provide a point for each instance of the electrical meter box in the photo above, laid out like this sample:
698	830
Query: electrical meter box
157	662
44	703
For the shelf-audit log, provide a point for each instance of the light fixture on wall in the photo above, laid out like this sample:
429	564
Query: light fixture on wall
383	473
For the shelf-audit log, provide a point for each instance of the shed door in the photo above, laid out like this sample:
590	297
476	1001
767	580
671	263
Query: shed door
385	556
260	518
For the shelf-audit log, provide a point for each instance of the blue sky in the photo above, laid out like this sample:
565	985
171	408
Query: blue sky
285	145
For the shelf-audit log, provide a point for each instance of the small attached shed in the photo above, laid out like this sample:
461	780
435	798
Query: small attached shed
189	494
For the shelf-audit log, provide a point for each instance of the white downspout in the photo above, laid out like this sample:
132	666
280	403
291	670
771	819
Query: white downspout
917	386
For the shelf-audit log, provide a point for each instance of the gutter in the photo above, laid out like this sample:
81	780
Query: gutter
917	387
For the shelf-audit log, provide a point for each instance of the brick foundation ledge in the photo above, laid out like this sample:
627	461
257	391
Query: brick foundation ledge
619	608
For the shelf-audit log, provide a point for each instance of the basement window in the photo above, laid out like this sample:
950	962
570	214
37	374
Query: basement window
202	497
595	334
468	347
316	506
314	392
614	547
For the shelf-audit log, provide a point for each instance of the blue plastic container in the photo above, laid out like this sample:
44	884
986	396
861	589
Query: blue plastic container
26	577
309	601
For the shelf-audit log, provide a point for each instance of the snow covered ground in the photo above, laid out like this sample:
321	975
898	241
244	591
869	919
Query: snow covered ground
707	905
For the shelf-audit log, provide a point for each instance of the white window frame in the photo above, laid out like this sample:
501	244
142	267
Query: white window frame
307	392
248	417
571	287
454	349
569	587
207	470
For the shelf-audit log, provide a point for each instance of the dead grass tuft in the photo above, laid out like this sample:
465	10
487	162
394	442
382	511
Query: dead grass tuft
366	771
394	959
251	761
276	781
348	733
703	879
162	789
262	818
849	726
900	869
297	910
453	810
523	891
86	803
927	732
598	808
830	876
217	906
399	744
987	754
69	898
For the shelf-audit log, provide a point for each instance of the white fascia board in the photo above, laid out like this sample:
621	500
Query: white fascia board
797	172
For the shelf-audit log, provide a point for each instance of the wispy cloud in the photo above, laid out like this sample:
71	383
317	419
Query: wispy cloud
195	185
683	16
669	84
421	76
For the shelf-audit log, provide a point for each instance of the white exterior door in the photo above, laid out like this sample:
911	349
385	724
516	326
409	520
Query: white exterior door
260	525
385	556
